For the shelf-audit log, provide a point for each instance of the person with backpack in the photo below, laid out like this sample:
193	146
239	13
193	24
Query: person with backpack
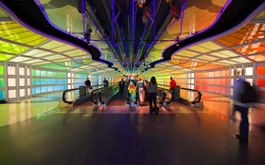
140	86
244	97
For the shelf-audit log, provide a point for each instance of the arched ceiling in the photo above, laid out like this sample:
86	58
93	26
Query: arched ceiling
130	37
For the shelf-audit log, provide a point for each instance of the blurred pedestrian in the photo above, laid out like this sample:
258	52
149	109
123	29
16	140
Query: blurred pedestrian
152	86
121	86
244	96
140	87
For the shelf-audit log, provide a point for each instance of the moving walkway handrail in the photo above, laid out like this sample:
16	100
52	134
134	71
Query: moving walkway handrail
100	90
69	90
196	100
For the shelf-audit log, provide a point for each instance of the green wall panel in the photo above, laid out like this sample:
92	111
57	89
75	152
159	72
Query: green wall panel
1	82
1	70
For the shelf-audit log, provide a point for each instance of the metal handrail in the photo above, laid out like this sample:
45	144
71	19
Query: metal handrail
93	92
196	100
69	90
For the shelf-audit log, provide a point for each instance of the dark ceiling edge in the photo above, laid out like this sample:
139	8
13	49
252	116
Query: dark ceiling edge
216	31
52	33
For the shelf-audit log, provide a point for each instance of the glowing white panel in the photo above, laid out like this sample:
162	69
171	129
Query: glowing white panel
69	86
192	81
21	71
29	91
192	75
21	82
12	93
11	82
11	70
29	83
249	71
21	92
69	81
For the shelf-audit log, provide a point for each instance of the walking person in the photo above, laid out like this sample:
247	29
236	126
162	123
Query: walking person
88	84
140	87
152	86
121	86
244	97
105	82
172	88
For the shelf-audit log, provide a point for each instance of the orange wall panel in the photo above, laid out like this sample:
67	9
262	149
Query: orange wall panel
261	70
261	82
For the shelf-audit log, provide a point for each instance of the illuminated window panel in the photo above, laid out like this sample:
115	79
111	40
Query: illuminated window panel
186	53
224	42
43	73
49	74
28	82
4	57
37	41
1	82
37	90
43	89
29	91
57	88
43	82
37	53
224	81
21	92
33	91
63	81
249	71
64	87
11	70
50	88
33	62
217	81
229	62
56	81
1	94
37	73
257	58
50	81
261	70
75	53
261	82
199	49
21	71
37	81
21	82
205	57
11	82
1	69
12	48
12	93
210	45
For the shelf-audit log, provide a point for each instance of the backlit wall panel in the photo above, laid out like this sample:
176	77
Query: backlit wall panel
213	81
45	80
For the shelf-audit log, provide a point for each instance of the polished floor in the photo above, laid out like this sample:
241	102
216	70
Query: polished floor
120	135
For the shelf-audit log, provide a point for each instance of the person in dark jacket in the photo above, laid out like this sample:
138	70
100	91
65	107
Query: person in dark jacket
152	86
121	86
